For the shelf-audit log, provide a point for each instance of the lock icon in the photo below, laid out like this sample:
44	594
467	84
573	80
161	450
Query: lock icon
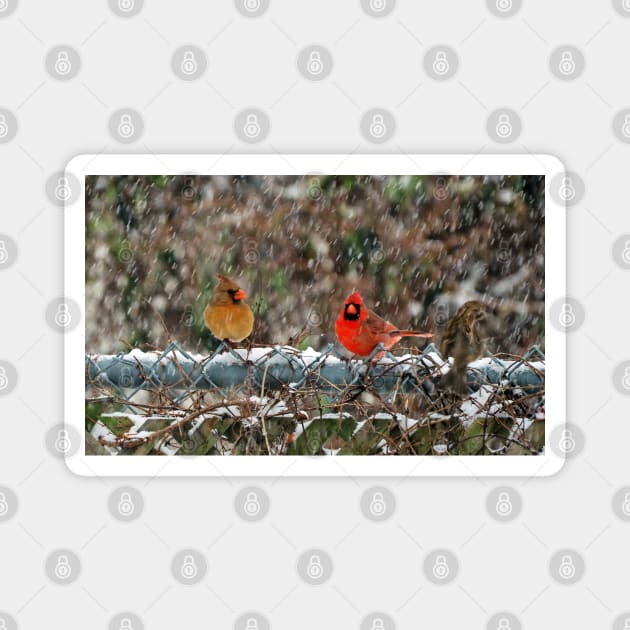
252	504
4	254
62	316
252	5
315	65
378	5
4	380
252	126
567	568
625	255
378	507
567	442
251	624
126	128
62	190
504	624
189	569
567	316
62	63
504	126
567	63
378	624
4	506
188	191
440	190
4	128
63	443
440	568
125	624
504	252
314	190
126	506
625	506
189	63
440	63
504	504
314	570
126	5
567	189
62	569
504	5
625	381
625	129
126	380
442	316
377	126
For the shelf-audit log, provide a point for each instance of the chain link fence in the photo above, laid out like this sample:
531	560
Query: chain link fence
282	401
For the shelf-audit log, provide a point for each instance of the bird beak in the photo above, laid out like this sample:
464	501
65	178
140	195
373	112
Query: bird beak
240	295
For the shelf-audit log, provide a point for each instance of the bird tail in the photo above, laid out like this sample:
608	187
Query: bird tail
409	333
455	381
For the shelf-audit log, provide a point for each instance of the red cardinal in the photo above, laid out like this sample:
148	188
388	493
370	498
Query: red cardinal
360	330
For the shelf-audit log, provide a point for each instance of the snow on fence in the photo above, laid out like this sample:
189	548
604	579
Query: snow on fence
279	400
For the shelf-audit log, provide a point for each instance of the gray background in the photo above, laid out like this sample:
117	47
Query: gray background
377	565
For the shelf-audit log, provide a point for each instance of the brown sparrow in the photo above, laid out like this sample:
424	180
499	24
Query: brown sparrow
462	340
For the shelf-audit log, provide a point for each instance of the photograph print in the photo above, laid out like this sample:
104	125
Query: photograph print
314	315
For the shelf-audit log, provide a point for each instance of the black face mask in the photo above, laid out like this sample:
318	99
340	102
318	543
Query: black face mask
352	317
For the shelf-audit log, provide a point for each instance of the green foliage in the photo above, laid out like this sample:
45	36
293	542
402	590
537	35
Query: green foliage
313	439
403	190
392	238
279	282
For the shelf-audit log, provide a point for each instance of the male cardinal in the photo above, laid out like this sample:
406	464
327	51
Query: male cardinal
463	341
228	316
360	330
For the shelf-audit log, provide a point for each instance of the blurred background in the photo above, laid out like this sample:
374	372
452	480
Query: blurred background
416	247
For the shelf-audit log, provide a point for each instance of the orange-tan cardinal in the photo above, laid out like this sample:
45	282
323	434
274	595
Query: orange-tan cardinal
227	315
360	330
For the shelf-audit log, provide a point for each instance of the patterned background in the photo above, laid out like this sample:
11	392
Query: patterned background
501	75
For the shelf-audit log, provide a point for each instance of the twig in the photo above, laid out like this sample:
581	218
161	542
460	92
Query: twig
131	442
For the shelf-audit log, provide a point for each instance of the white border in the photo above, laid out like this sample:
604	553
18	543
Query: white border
364	466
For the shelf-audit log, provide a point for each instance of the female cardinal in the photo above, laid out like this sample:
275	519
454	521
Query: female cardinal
360	330
228	316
